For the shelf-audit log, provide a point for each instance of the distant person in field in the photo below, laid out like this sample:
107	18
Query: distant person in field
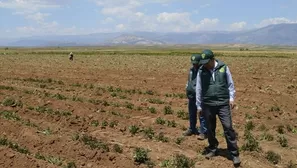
71	56
215	95
192	108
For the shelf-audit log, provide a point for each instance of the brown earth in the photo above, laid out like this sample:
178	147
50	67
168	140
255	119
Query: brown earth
57	103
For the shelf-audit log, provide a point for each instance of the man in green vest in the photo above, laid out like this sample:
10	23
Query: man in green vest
192	108
215	94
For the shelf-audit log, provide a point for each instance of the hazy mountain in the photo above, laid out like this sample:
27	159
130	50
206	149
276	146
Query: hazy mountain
280	34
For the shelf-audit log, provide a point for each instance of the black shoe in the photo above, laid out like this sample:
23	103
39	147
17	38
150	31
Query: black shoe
202	136
236	161
189	132
210	155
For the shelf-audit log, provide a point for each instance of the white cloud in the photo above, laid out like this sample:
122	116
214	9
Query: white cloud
277	20
238	25
118	3
208	24
205	6
26	30
107	20
176	18
117	11
139	14
38	17
120	27
27	6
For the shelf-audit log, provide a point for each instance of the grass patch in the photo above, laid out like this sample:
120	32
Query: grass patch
9	101
14	146
10	88
94	143
182	114
178	161
273	157
168	110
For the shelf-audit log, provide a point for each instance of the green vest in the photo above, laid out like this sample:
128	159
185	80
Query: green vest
191	85
214	93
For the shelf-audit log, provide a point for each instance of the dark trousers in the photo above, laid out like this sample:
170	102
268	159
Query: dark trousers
193	118
224	114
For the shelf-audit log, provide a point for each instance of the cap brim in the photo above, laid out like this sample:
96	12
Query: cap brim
205	61
195	62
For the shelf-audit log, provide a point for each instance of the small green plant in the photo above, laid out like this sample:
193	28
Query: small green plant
273	157
60	82
94	101
42	86
179	140
10	115
112	124
46	131
104	124
251	144
94	143
133	129
141	155
149	132
113	94
55	160
262	127
117	148
161	137
149	92
160	120
14	146
95	123
122	96
171	123
282	141
129	105
182	114
266	136
152	110
40	156
116	113
155	101
168	110
76	84
281	129
105	103
178	161
139	108
9	101
6	88
71	165
59	96
248	116
78	99
249	126
289	128
291	164
274	108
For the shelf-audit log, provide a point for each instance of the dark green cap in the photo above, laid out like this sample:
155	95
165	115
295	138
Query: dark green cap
206	56
195	58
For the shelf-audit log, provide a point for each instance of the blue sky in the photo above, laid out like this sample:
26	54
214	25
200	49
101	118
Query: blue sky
21	18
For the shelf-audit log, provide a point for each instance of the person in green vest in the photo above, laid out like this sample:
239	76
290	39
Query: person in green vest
192	108
215	96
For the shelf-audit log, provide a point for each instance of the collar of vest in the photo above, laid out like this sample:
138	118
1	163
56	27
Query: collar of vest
219	65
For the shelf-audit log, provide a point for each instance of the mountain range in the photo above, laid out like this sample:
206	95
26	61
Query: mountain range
277	34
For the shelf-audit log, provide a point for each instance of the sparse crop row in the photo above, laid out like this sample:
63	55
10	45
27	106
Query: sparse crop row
50	159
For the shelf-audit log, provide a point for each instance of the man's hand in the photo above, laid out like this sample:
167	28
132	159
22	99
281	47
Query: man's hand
199	111
232	104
